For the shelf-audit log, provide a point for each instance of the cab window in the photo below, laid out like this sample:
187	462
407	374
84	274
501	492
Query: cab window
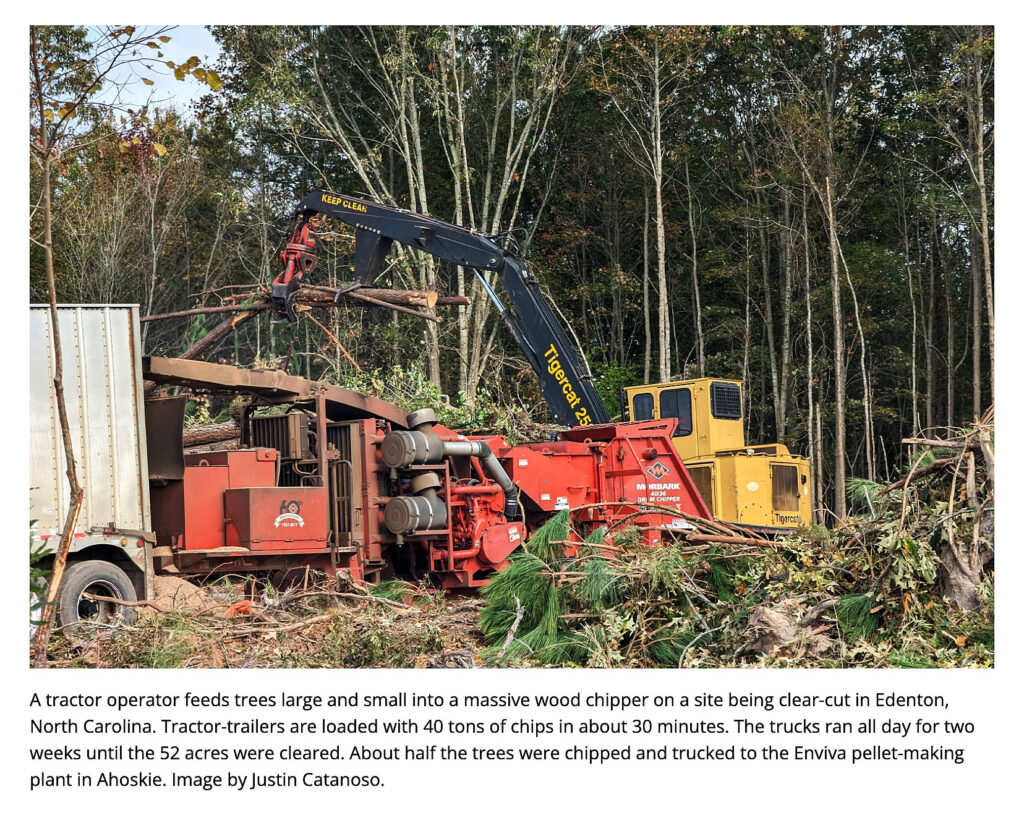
675	403
643	407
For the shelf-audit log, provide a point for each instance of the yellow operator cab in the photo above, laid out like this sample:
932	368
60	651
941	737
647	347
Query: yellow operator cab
762	486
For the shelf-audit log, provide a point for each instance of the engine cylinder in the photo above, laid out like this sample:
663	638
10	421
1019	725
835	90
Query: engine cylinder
413	513
400	448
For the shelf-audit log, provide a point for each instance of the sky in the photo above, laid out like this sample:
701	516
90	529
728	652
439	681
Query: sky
186	41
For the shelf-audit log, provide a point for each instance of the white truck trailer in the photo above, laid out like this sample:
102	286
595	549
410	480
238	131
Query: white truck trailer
111	551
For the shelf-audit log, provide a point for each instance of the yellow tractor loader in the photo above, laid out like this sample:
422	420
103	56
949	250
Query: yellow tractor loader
760	486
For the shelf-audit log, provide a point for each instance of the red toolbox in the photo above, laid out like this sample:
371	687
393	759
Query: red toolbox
276	518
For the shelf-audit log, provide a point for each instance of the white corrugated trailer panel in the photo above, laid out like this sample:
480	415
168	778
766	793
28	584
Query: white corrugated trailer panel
102	360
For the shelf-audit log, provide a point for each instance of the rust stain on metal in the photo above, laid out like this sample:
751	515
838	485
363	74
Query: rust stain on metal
342	403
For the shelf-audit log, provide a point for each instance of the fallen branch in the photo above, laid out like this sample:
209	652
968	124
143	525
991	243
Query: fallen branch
195	312
733	539
337	342
280	629
512	630
916	473
953	444
99	598
350	596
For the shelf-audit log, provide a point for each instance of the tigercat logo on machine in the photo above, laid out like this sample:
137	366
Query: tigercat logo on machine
289	514
568	391
335	200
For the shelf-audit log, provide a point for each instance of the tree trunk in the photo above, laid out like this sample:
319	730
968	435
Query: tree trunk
696	283
929	347
947	286
986	254
769	322
915	420
42	641
839	359
664	329
786	248
976	325
811	440
869	443
819	480
746	328
647	288
664	338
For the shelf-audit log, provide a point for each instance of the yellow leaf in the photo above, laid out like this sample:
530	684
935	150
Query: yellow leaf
135	140
961	641
147	81
160	149
48	115
213	80
164	38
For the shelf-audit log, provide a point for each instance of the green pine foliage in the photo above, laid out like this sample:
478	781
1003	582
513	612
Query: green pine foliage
634	605
855	616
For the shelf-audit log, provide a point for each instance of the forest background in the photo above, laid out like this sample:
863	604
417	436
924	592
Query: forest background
808	209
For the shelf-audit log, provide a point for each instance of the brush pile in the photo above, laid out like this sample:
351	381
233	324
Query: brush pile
239	622
906	582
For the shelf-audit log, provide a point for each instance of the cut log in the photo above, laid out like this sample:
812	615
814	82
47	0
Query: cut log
219	332
208	434
404	300
401	297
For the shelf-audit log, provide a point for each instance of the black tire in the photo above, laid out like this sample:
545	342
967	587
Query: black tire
96	577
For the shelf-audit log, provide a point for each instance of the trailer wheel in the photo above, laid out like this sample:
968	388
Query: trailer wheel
100	579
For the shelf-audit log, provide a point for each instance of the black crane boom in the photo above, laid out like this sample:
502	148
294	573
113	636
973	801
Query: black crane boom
565	382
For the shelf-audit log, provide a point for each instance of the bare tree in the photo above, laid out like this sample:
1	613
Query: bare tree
645	73
68	67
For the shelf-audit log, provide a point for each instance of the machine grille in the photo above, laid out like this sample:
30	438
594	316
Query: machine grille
785	492
339	436
703	478
725	401
288	434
